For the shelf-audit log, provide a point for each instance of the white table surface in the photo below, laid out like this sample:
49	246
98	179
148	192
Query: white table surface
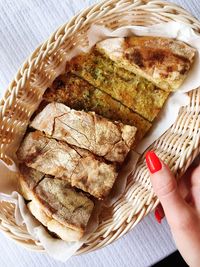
24	24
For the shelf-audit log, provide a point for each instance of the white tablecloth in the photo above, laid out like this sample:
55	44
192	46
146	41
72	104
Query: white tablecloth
24	24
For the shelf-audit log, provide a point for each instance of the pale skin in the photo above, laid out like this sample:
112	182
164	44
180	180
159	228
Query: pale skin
181	204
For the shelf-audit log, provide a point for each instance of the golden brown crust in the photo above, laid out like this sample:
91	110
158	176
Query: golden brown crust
133	91
163	61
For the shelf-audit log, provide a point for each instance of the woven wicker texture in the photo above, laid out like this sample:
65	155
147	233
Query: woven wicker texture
177	147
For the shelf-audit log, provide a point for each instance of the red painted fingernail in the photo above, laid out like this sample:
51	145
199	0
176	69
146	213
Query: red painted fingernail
153	162
157	216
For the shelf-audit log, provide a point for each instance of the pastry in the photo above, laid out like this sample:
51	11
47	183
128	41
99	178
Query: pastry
111	140
55	204
163	61
79	167
133	91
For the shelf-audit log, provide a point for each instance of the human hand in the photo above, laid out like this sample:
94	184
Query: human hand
181	206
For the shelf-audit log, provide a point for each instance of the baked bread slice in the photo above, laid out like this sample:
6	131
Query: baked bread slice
55	204
163	61
133	91
78	94
79	167
111	140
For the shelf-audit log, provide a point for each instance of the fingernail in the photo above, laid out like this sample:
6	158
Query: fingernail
153	162
157	216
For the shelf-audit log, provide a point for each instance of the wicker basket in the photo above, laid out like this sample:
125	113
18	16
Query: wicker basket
178	146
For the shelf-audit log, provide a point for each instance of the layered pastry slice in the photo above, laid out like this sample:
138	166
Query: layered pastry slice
133	91
78	94
163	61
79	167
100	136
55	204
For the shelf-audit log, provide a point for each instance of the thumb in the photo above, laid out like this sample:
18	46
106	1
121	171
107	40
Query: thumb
165	187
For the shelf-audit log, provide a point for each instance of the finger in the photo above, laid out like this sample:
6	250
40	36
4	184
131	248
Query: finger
165	187
195	177
195	192
195	188
185	182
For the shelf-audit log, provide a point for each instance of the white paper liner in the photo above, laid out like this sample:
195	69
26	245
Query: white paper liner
62	250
